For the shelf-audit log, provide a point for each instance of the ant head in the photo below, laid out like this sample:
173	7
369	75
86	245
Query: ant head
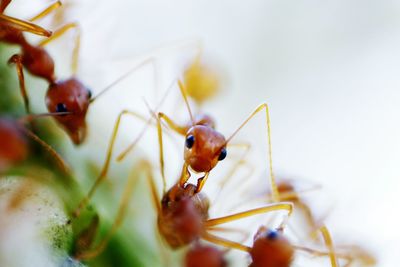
13	144
271	248
38	62
204	147
200	255
70	96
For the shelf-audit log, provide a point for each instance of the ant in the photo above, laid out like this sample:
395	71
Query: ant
205	146
14	145
182	214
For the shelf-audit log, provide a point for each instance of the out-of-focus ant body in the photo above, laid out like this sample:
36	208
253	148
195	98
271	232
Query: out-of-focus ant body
14	145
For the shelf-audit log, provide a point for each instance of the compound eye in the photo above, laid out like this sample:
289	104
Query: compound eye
223	154
61	107
189	141
272	234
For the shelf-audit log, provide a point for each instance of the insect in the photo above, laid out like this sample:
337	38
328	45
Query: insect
14	145
182	214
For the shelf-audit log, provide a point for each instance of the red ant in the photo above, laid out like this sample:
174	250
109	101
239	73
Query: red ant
204	146
182	214
14	146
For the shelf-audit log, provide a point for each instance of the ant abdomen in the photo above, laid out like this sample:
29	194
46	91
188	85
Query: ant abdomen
70	96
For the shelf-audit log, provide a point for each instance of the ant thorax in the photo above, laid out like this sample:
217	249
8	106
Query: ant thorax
38	62
182	215
70	96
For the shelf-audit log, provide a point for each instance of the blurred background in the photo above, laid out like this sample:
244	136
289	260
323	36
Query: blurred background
329	72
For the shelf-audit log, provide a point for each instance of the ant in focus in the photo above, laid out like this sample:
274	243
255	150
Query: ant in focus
204	146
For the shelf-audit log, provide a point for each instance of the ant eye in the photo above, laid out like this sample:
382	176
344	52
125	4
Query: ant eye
61	107
89	93
189	141
223	154
272	235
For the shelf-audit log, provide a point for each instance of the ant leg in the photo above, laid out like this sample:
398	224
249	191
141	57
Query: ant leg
237	216
142	165
224	242
241	161
46	11
106	164
275	192
329	244
179	130
58	33
26	26
57	157
17	60
4	4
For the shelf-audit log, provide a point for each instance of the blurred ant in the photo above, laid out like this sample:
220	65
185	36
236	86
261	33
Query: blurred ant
14	146
200	81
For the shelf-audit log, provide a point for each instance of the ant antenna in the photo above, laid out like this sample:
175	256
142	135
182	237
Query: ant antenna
184	95
275	191
121	78
48	10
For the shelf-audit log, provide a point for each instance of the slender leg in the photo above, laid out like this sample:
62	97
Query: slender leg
329	244
57	157
23	25
4	4
123	206
118	220
224	242
46	11
240	161
58	33
17	60
106	164
269	208
275	192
